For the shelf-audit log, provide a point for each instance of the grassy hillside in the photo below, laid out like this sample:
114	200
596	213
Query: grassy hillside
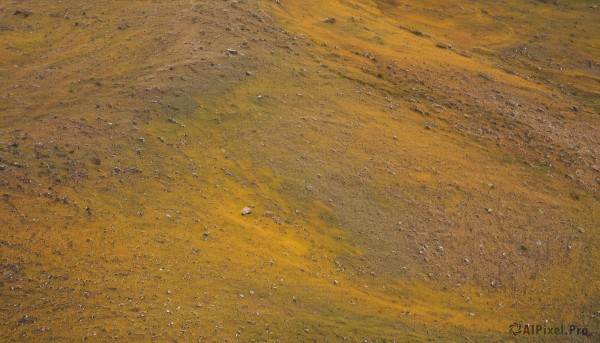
414	171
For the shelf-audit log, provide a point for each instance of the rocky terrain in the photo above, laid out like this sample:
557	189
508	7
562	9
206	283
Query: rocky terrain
364	170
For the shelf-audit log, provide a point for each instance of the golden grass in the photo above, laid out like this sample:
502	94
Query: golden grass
396	161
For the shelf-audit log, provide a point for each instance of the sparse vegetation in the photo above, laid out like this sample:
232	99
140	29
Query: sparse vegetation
288	171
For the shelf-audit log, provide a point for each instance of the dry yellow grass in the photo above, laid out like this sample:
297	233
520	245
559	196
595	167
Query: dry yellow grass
415	171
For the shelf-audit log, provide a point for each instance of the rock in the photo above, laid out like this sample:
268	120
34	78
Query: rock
232	52
575	108
429	125
25	320
134	170
24	13
246	211
329	20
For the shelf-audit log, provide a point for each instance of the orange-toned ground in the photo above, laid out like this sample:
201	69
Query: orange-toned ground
415	171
